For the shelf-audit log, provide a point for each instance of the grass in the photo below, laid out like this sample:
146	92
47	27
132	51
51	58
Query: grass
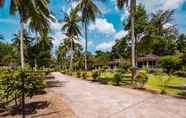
173	86
156	82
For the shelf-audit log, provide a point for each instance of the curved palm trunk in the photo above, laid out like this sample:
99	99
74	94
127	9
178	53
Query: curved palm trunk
133	7
86	40
22	68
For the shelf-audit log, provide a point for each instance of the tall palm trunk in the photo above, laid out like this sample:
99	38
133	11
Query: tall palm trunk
35	58
71	58
86	40
21	45
133	7
22	68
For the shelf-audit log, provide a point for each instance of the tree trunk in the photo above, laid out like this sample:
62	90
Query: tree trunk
132	8
85	26
22	68
21	45
71	58
35	58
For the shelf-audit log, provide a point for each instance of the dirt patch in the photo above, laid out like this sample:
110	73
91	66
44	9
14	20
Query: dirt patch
43	106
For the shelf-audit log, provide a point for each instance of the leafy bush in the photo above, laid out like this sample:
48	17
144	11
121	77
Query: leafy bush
11	86
141	79
169	63
124	67
95	75
84	75
78	74
117	78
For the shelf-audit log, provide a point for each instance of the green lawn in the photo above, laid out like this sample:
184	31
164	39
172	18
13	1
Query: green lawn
159	83
172	85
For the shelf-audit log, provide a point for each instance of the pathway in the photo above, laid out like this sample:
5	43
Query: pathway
93	100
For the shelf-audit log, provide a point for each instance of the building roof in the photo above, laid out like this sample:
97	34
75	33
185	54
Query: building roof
148	57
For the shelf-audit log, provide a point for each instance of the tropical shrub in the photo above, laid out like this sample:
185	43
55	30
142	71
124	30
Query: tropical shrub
141	79
95	75
84	75
117	78
78	74
11	86
169	63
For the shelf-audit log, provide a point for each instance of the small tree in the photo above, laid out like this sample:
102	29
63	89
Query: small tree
169	63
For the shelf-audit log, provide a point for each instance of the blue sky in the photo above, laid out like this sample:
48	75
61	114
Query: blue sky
105	30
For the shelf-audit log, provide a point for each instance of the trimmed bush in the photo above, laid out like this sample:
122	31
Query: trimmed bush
117	78
95	75
141	79
84	75
78	74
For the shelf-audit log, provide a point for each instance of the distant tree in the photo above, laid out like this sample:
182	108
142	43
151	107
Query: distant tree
88	13
7	55
181	43
101	57
169	63
72	30
121	48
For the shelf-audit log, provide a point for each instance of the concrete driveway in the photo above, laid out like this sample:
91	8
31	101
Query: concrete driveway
93	100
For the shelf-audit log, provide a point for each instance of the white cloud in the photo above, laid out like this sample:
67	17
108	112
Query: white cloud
56	26
167	25
58	38
172	4
105	46
82	42
121	34
103	26
153	5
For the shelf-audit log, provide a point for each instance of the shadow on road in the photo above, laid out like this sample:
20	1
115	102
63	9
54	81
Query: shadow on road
55	83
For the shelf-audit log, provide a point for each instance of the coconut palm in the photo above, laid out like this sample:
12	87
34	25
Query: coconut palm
39	24
88	13
120	5
72	30
26	9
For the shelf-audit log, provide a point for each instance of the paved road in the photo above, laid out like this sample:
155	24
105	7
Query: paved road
93	100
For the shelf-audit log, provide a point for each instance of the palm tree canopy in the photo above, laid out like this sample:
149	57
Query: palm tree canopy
121	3
89	10
71	26
27	8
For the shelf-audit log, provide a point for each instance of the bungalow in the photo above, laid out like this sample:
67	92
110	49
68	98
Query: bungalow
149	61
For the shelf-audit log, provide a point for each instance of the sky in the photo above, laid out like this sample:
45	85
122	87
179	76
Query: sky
107	27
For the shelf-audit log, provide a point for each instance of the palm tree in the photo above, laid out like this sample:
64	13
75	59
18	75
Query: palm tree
27	43
72	30
39	24
88	13
25	9
120	5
